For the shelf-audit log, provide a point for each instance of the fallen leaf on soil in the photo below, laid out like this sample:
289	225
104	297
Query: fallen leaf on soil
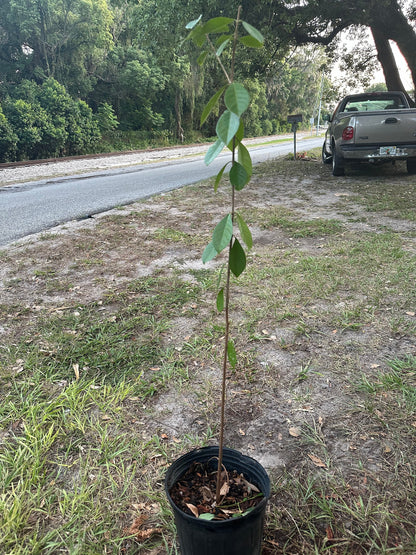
317	461
76	370
224	489
193	509
135	529
329	533
409	313
294	431
164	436
251	487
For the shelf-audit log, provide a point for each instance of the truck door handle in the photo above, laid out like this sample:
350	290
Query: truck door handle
391	120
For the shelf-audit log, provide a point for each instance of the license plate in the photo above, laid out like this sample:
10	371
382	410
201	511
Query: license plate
388	150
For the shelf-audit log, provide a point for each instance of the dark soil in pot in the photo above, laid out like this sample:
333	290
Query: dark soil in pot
237	527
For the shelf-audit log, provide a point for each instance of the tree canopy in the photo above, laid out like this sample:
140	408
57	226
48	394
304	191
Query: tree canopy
129	70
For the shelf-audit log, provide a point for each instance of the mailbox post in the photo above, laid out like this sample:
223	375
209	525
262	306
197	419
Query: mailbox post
294	120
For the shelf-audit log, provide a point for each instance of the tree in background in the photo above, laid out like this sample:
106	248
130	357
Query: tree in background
321	22
41	121
122	58
62	39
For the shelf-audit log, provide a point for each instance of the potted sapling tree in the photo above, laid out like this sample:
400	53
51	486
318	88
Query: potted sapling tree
218	495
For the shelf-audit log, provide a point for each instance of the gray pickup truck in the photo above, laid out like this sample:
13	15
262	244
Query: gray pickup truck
371	127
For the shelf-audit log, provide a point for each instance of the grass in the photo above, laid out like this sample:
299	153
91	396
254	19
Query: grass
107	375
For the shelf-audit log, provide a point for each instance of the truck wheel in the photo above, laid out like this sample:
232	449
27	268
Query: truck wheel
411	166
326	158
337	165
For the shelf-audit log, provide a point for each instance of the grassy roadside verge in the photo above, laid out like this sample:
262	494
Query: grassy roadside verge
108	368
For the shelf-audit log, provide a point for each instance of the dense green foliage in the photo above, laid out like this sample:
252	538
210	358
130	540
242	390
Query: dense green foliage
121	78
87	75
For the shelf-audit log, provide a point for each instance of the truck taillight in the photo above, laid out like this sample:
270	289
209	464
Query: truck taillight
348	133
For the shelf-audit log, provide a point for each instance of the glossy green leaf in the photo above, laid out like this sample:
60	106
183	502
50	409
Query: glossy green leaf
231	354
251	42
219	176
220	300
245	159
252	31
209	253
192	24
238	176
244	231
213	151
197	35
221	48
206	516
223	233
222	38
217	25
227	126
210	105
237	258
237	98
239	136
202	57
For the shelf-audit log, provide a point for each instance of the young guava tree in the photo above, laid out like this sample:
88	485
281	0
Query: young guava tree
213	37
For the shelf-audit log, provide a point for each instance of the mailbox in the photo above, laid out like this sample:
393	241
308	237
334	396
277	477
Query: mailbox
294	118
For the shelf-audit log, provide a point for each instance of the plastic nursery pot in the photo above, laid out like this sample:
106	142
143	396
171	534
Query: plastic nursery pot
235	536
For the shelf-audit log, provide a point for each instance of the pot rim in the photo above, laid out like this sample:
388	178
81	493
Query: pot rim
205	453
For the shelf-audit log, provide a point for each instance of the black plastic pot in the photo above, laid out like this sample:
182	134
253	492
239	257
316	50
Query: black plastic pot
235	536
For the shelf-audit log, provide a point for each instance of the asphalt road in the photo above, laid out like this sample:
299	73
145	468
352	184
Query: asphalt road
33	207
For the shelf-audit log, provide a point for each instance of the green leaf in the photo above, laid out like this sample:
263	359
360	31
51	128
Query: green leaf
223	233
237	98
237	258
244	231
222	38
202	57
227	126
251	42
211	104
197	35
220	50
219	176
232	355
217	25
245	159
238	176
209	253
192	24
220	300
239	136
206	516
253	32
213	151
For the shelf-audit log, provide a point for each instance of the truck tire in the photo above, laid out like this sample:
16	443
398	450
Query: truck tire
337	163
411	166
326	158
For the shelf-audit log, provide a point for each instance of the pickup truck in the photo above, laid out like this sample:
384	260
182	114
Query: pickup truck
371	127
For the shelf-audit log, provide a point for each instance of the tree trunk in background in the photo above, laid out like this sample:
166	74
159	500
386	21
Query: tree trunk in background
388	63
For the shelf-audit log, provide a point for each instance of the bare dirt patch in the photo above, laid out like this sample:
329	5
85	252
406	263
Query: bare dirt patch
326	306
